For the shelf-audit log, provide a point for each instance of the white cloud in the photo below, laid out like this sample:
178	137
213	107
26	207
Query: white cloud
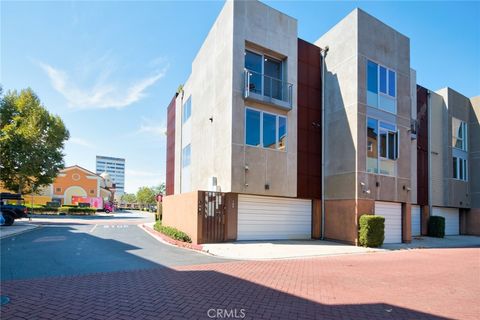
102	94
151	127
81	142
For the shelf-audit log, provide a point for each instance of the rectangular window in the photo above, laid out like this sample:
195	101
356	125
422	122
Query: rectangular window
391	83
381	87
383	79
273	78
282	132
269	131
252	128
254	63
265	75
459	134
187	110
186	156
265	129
382	147
372	145
460	168
372	77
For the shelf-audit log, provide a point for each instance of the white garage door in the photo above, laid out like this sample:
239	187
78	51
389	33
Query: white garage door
416	216
270	218
452	219
393	220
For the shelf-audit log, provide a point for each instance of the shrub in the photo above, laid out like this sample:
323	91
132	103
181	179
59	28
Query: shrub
436	226
172	232
372	230
42	209
76	210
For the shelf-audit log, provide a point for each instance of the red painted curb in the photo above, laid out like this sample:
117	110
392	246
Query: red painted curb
175	242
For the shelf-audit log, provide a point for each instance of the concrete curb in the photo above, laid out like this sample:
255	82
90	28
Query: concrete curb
167	240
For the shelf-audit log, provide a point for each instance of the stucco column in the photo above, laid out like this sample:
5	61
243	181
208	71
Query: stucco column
406	222
425	212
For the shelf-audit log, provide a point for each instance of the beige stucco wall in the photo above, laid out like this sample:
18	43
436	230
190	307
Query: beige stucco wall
446	191
413	142
181	211
386	46
438	148
351	42
474	165
341	108
216	87
266	30
210	88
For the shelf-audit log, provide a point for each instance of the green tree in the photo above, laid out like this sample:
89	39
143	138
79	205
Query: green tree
160	189
146	196
129	198
31	142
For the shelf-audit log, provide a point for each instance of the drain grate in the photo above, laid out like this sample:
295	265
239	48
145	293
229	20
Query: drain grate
4	300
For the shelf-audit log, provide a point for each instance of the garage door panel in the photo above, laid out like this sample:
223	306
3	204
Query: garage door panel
392	212
416	218
270	218
452	219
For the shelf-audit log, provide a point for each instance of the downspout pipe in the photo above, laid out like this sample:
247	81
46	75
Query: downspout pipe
323	54
429	125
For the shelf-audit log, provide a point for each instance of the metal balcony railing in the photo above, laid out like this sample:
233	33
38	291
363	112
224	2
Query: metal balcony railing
267	89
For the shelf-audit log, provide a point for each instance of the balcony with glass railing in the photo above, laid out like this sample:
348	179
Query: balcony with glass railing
263	88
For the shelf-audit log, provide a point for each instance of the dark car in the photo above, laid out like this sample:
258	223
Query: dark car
11	211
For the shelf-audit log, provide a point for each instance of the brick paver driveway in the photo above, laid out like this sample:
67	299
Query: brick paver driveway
414	284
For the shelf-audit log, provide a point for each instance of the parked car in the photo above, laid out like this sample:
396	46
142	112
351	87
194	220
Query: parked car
108	207
11	212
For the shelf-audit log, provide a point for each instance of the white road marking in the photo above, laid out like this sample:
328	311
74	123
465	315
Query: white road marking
91	230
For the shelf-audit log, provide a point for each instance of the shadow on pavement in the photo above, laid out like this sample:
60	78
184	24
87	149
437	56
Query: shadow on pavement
153	291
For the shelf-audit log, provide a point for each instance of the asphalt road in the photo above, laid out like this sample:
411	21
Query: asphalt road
64	247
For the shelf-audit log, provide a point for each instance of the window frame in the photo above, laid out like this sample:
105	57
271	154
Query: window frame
189	102
262	73
379	156
387	85
185	165
460	174
464	139
277	131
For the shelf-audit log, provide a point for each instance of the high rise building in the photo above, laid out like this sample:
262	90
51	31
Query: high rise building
116	168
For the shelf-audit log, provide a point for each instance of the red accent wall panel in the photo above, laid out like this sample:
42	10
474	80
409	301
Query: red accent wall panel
170	170
309	102
422	145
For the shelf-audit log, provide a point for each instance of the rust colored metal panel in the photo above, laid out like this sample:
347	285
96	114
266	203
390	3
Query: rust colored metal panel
170	170
213	213
316	219
422	145
309	153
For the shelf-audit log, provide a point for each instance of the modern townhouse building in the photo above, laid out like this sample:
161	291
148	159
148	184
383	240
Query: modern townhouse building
273	137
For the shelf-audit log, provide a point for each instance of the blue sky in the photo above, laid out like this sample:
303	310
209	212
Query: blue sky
109	69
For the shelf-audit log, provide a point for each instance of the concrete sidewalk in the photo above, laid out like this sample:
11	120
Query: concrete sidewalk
18	227
260	250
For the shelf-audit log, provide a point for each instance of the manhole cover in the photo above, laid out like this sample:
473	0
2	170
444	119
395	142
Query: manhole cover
4	300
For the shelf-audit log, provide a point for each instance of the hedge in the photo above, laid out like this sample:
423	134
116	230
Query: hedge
43	209
372	230
75	210
436	226
172	232
63	210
